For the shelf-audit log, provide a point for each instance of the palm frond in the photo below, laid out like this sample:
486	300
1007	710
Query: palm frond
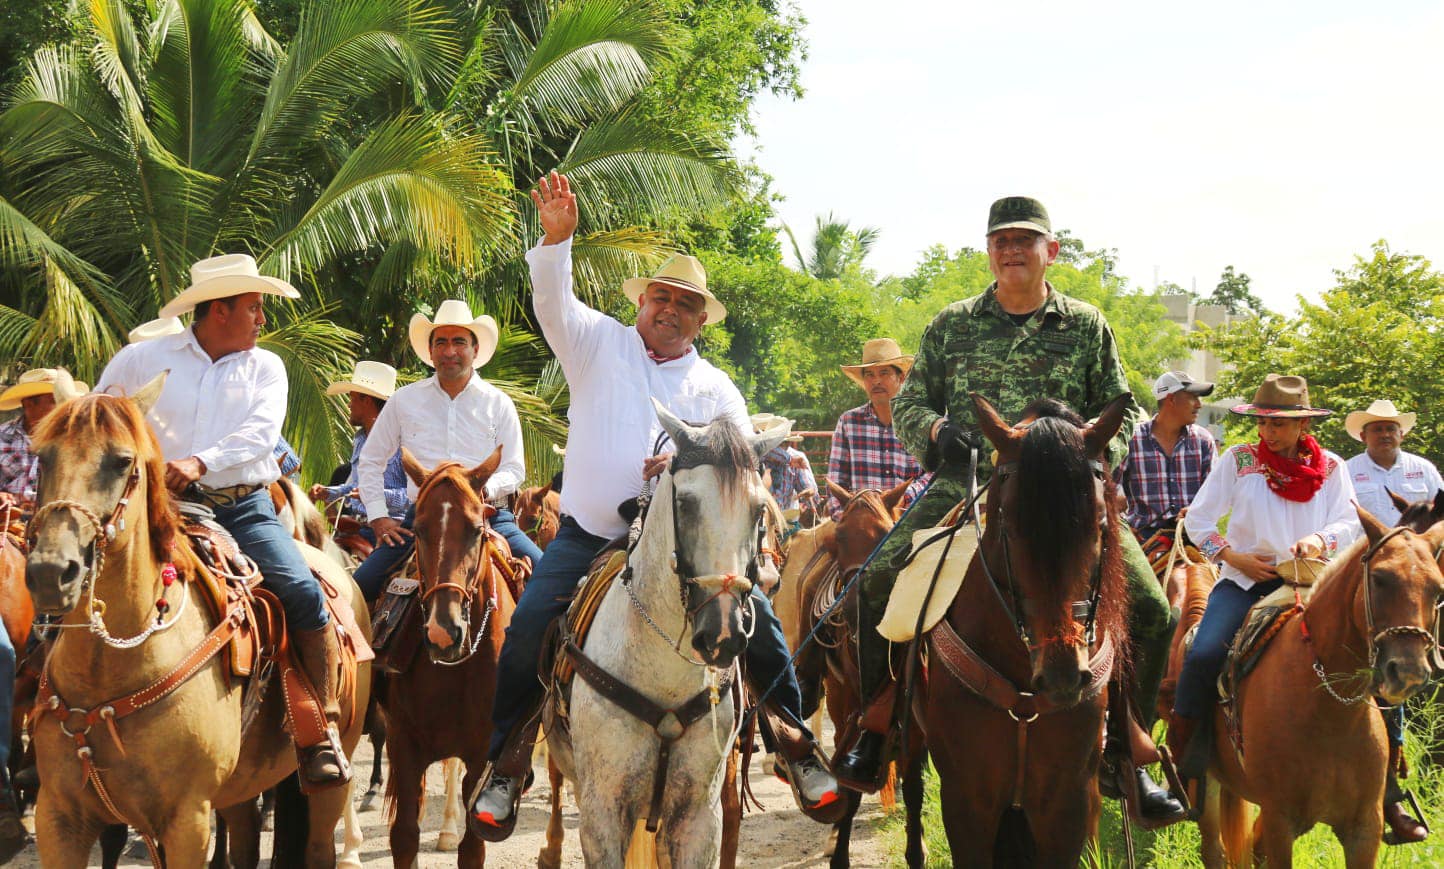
602	260
71	331
116	51
315	351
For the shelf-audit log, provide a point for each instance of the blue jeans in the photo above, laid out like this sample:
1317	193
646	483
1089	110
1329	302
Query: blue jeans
7	693
547	595
386	558
1228	606
252	521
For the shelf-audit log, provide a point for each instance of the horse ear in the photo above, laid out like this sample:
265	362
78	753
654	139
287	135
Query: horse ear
414	469
65	388
1097	435
1001	435
893	497
838	492
676	429
1399	503
1438	512
1372	526
544	490
478	475
146	397
764	443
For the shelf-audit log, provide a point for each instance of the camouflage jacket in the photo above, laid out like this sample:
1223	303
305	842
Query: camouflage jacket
1065	351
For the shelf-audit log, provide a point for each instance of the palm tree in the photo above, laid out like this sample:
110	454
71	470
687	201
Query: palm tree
378	161
836	247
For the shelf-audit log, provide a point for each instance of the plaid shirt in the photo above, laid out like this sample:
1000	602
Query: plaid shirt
788	482
19	467
1157	485
393	480
866	454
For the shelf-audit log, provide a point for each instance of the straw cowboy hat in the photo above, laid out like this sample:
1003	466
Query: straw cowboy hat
376	379
684	272
42	381
1281	395
1382	410
879	351
221	277
765	422
157	328
454	312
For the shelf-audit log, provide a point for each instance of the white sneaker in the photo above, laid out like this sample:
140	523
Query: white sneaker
816	785
493	805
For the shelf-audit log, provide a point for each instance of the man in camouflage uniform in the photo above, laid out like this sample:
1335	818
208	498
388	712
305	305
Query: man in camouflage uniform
1018	341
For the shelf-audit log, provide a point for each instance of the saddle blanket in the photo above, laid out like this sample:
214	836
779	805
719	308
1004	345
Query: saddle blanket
951	539
1263	622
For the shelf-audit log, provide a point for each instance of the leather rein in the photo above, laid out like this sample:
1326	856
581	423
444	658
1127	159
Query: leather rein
472	589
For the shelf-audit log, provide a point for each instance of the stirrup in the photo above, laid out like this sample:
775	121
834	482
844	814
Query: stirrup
492	832
305	755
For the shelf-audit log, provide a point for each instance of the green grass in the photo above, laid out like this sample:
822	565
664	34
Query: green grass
1176	847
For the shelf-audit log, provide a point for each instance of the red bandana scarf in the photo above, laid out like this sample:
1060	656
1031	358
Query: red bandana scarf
1295	479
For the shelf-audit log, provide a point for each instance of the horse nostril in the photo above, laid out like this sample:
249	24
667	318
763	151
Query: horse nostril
71	572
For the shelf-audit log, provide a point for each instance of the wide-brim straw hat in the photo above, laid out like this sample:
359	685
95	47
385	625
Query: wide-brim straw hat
42	381
157	328
765	422
879	351
1281	396
376	379
221	277
684	272
454	312
1382	410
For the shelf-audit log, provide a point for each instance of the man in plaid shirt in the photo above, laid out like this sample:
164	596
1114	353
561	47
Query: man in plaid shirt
34	396
866	454
1168	458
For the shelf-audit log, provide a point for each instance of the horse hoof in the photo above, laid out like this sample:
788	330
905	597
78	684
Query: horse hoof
447	841
368	800
549	860
349	862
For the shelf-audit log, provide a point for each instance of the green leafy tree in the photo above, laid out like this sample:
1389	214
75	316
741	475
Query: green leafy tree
1377	333
1233	293
836	247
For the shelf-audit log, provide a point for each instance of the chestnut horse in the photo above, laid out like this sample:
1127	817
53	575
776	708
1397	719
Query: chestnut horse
104	575
827	668
1018	668
539	513
440	706
1314	748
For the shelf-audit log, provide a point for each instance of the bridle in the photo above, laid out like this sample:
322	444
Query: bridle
1010	595
875	506
472	588
1372	634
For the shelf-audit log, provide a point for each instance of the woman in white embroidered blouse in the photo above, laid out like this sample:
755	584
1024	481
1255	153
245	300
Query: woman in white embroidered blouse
1286	497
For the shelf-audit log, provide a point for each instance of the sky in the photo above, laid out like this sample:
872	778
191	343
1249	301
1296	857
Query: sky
1283	138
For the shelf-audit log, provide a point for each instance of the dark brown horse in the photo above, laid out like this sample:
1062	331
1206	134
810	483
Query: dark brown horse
1018	669
828	667
440	706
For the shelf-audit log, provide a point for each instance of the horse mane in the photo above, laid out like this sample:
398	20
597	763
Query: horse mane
721	445
1057	512
115	419
1340	564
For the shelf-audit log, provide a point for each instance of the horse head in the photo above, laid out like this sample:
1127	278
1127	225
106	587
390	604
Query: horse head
716	503
538	513
1420	515
102	483
1051	548
1396	606
451	558
867	515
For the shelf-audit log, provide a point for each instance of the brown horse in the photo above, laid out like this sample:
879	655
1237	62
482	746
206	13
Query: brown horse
18	613
539	513
828	667
100	460
1017	678
1313	747
440	706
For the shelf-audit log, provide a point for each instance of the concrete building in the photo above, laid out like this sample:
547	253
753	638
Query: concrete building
1202	364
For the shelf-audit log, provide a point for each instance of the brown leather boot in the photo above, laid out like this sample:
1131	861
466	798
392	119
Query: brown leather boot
323	765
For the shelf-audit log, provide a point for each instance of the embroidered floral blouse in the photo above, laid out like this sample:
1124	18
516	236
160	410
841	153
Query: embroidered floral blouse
1262	523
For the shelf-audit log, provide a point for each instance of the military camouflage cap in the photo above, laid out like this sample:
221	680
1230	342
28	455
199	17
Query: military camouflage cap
1019	212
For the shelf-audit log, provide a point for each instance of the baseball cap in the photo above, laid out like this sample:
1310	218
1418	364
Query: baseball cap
1177	381
1018	212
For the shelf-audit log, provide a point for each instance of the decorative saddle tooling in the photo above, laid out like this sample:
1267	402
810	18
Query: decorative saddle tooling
348	536
250	632
397	623
1264	622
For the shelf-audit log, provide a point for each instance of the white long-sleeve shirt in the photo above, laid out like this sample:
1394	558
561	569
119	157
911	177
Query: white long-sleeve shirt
1412	478
227	413
613	382
437	428
1263	523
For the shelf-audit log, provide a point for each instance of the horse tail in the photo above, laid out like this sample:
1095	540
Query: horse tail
887	796
1014	845
1234	826
293	825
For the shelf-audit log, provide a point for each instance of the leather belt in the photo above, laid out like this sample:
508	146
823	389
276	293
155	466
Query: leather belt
225	496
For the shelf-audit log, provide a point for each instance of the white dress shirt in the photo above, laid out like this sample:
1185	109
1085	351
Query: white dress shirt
1263	523
1412	478
437	428
226	412
613	382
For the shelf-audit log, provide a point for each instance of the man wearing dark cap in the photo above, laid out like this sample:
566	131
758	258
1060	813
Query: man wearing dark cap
1020	340
1168	458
